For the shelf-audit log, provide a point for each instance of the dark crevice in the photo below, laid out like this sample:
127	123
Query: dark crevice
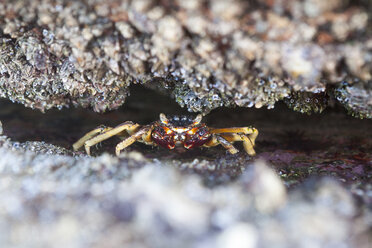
290	141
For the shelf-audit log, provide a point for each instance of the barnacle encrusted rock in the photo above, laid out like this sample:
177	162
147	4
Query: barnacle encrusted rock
39	77
356	98
218	53
306	102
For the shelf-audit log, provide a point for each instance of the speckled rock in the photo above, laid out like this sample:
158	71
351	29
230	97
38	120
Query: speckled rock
206	54
356	98
306	102
134	201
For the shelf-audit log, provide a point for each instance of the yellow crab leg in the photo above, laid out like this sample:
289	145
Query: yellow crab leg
218	140
143	134
247	141
250	131
128	126
101	129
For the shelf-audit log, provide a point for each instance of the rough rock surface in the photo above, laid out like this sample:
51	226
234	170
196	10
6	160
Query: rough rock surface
135	202
207	54
310	184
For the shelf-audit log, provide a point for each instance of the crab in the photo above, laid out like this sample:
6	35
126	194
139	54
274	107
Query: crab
171	132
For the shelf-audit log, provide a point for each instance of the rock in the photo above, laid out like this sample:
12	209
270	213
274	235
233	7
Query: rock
136	201
241	235
308	186
321	214
89	53
267	188
356	98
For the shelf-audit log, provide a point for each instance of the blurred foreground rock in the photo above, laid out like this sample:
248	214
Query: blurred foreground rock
132	201
206	54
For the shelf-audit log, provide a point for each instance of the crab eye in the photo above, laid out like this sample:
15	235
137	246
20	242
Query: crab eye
192	131
202	132
167	130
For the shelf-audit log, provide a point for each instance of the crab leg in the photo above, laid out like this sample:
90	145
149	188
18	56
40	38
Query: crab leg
250	131
143	133
247	141
217	140
101	129
128	126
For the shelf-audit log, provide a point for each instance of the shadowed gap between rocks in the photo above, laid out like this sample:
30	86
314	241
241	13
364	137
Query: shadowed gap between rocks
297	145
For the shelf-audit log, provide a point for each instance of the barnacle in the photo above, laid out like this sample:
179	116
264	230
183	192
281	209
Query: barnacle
307	102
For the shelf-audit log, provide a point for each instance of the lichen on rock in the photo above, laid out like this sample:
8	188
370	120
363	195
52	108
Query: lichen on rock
305	102
234	53
356	97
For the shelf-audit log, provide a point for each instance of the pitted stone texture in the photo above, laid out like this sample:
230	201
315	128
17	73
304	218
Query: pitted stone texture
216	53
133	201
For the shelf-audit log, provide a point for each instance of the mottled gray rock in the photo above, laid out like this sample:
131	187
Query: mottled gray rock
356	98
133	201
310	185
207	55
